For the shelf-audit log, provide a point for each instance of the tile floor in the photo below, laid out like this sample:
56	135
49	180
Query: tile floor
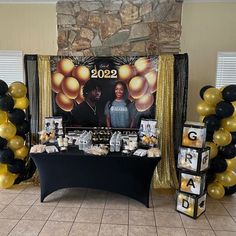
87	212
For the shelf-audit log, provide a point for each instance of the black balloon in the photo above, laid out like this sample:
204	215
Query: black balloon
16	167
224	109
16	116
229	93
6	156
3	142
23	129
228	151
3	87
203	90
212	123
218	165
6	103
209	136
210	176
233	134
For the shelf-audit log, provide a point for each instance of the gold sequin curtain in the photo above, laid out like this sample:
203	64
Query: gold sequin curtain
45	93
165	173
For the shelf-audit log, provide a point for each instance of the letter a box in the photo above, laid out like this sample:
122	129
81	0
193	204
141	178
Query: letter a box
194	159
194	134
190	205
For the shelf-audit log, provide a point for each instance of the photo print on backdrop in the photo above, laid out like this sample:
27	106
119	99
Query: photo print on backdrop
114	92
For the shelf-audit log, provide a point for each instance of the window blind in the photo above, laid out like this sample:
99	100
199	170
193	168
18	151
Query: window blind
11	66
226	69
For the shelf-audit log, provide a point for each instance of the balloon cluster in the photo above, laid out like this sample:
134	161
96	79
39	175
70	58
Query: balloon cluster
13	128
68	81
218	112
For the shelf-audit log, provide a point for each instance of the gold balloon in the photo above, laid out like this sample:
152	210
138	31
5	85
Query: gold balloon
231	163
21	153
234	104
229	123
3	168
222	137
212	96
216	190
213	149
3	117
7	180
222	88
201	118
21	103
7	130
227	178
204	109
17	90
16	142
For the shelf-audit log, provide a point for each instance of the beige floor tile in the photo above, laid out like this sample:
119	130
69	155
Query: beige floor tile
199	232
89	215
141	218
142	230
38	213
64	214
25	199
6	198
115	217
168	219
53	228
164	205
231	208
164	231
216	209
113	230
32	189
138	206
94	203
222	222
224	233
117	202
27	228
46	202
84	229
229	199
70	201
17	188
199	223
2	206
14	212
6	225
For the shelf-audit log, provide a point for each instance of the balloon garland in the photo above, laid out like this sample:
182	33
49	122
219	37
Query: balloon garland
13	128
218	111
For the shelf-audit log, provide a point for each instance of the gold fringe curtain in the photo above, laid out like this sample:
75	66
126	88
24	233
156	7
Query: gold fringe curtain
45	93
165	173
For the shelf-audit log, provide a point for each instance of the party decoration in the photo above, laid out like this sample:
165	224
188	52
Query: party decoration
81	73
7	180
126	72
216	190
70	87
65	66
151	78
203	90
3	168
21	103
229	123
3	87
145	102
234	105
3	117
16	116
231	163
16	167
142	65
64	102
213	149
23	128
205	109
227	178
17	90
233	134
6	156
3	142
56	81
222	137
229	93
137	87
224	109
212	96
6	103
218	165
7	130
212	123
16	142
228	151
21	153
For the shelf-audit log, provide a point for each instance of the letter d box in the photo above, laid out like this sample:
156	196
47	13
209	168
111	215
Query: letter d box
192	183
194	159
190	205
194	134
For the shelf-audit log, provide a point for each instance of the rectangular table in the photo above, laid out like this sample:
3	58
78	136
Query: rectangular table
127	175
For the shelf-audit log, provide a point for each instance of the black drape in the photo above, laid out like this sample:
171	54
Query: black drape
180	97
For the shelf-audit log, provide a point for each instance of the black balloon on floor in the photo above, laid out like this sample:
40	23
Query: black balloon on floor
203	90
218	165
224	109
6	103
3	142
16	116
3	87
212	123
6	156
229	93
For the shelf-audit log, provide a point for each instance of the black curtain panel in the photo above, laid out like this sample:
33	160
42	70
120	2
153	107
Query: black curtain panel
180	97
32	82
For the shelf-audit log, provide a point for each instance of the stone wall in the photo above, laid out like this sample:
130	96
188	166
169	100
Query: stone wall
118	27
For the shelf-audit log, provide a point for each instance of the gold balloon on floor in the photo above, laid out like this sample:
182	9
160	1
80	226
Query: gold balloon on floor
222	137
229	123
227	178
213	149
216	190
3	117
3	168
7	180
204	109
17	90
212	96
16	142
21	103
7	130
21	153
231	163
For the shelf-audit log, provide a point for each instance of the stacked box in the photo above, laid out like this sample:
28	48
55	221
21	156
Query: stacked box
193	161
